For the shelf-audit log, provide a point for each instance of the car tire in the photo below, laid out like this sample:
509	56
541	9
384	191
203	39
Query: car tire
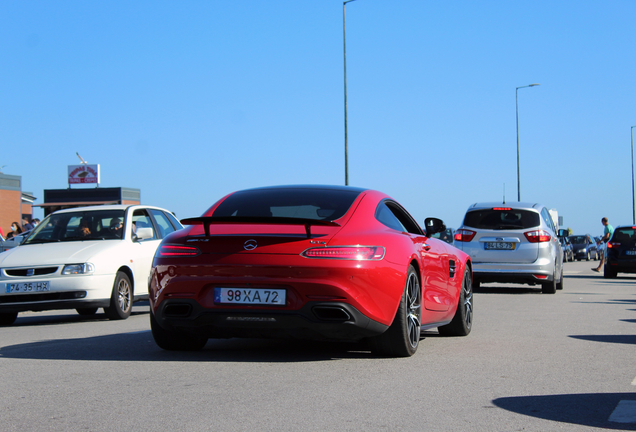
120	299
549	287
462	322
86	311
8	318
402	338
175	341
559	285
608	272
587	257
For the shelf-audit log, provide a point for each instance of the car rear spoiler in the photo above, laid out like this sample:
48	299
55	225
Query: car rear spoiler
206	221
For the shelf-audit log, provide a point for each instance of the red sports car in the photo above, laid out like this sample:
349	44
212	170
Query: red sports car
310	262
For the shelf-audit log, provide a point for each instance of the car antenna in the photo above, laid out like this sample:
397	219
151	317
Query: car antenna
504	196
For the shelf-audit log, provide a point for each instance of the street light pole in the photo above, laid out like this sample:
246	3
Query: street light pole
633	199
518	176
344	39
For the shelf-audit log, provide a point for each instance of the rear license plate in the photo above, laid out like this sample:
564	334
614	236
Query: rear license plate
630	252
27	287
500	246
256	296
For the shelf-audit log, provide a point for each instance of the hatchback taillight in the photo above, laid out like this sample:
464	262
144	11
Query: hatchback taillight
464	235
613	245
177	251
361	253
538	236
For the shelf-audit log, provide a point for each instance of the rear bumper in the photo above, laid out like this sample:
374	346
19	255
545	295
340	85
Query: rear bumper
513	273
621	265
315	320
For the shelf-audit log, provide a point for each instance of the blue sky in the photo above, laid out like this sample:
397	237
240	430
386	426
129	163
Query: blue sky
189	101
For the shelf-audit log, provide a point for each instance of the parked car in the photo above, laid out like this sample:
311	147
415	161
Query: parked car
447	235
84	258
568	250
512	243
310	262
13	241
620	252
584	247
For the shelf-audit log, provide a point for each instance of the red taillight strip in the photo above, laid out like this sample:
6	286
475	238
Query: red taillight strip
177	251
358	253
538	236
464	235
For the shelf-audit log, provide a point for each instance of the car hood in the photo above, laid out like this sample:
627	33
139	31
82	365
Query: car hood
55	253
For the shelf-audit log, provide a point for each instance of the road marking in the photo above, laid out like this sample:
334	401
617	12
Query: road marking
625	412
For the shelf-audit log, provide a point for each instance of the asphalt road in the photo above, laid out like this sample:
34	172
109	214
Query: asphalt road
533	362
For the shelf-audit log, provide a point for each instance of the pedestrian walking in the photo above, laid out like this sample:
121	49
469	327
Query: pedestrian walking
607	234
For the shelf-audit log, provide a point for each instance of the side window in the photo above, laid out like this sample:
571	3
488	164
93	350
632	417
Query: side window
548	219
393	216
163	223
386	217
141	219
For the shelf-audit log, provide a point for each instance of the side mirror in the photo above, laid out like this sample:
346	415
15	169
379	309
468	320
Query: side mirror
563	233
433	226
143	233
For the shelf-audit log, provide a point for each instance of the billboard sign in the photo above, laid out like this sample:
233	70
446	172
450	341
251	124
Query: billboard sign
82	174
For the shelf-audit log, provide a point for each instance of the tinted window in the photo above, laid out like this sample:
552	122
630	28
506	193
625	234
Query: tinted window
394	216
624	235
165	226
307	203
78	226
502	219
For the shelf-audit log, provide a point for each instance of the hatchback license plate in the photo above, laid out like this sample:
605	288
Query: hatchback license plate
500	246
27	287
630	252
258	296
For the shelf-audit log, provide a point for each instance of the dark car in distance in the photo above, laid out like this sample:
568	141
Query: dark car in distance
620	253
584	247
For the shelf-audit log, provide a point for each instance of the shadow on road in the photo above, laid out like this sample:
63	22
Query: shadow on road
592	409
620	339
140	346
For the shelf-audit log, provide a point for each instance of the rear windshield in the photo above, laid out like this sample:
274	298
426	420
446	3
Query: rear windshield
502	219
79	226
624	235
318	204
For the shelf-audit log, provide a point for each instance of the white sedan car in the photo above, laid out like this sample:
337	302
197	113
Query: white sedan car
84	258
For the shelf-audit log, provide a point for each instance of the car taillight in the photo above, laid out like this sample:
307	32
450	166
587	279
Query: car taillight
177	251
464	235
538	236
502	208
360	253
613	244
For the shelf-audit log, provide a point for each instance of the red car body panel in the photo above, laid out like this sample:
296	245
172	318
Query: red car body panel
371	287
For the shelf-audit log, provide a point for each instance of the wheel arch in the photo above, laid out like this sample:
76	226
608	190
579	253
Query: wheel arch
128	272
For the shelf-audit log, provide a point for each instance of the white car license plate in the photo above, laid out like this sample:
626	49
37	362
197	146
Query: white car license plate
257	296
500	246
27	287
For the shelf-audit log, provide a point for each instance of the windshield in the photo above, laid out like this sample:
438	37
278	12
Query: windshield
578	239
79	226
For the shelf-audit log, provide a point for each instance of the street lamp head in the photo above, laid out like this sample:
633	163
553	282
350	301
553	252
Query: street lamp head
532	85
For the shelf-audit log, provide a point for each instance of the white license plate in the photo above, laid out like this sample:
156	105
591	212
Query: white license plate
27	287
257	296
500	246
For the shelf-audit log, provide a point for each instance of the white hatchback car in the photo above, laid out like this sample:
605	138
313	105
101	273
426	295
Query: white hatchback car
84	258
